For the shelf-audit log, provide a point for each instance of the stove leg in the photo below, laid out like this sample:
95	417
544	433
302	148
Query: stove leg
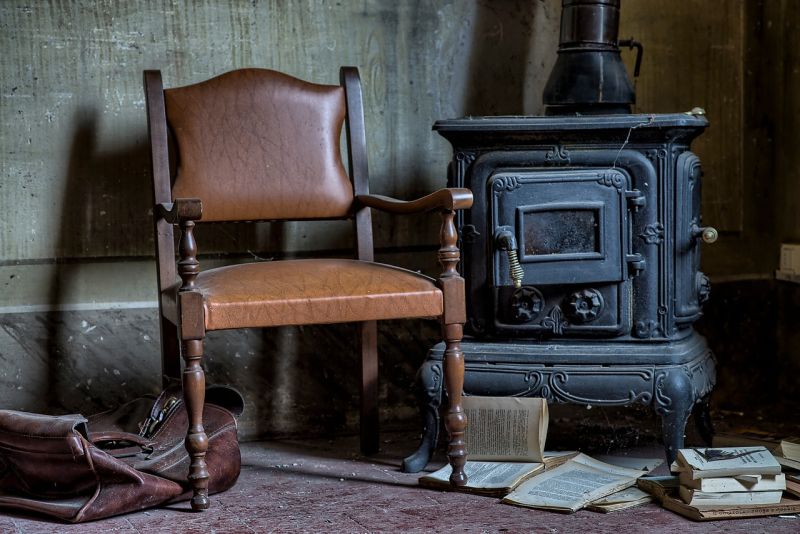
702	420
673	402
429	392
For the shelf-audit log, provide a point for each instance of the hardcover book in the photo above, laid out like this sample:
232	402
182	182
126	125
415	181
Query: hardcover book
725	462
698	498
734	484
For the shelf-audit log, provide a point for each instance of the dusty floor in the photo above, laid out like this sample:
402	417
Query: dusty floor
323	485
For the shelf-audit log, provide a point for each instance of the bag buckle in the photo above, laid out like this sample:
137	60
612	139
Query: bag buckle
148	427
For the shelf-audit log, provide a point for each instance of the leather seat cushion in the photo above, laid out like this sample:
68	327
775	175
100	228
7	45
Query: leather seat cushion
314	291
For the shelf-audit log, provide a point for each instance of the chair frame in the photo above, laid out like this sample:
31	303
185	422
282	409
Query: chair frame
183	328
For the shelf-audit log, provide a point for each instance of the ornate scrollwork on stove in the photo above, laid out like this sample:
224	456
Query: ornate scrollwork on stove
653	233
465	157
645	329
557	155
695	171
431	379
555	321
704	372
463	161
634	383
678	388
505	183
559	379
612	179
703	287
663	400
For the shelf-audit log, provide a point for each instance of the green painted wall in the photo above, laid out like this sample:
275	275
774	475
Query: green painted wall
75	183
75	194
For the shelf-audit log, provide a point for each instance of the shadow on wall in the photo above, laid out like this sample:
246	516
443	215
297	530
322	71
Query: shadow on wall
499	57
102	214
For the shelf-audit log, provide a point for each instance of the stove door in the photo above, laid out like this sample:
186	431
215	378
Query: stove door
571	232
691	285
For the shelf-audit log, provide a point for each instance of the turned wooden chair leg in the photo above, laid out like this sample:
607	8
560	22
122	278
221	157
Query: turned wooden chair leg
194	392
455	421
370	432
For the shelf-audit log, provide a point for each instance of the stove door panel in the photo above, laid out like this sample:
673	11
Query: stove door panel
690	283
571	240
570	225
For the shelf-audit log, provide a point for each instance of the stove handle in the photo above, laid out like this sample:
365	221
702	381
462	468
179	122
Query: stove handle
504	240
631	44
708	234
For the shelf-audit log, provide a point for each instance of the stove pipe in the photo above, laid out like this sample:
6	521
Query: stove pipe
589	77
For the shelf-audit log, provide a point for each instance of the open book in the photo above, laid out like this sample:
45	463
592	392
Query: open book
505	445
494	478
510	429
573	485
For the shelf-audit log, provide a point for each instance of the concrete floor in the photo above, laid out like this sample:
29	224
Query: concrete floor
324	486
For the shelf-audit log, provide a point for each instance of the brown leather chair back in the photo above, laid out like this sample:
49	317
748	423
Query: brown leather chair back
256	144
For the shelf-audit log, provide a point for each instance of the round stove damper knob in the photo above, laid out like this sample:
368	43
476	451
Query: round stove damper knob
526	303
585	305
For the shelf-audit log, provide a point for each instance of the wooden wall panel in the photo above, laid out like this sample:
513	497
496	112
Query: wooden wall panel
693	56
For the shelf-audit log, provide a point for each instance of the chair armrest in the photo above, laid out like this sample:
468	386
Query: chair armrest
444	199
181	210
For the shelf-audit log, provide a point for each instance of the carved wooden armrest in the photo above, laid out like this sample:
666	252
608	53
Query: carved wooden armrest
449	199
184	212
181	210
446	201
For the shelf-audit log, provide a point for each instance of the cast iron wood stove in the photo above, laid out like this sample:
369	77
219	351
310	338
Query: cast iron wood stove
581	252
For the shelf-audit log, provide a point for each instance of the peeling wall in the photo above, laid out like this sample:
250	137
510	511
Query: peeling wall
75	193
75	184
74	151
75	178
75	230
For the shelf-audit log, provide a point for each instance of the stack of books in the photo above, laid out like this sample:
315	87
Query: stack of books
788	453
729	476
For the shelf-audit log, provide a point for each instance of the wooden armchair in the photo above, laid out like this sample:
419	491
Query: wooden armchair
256	145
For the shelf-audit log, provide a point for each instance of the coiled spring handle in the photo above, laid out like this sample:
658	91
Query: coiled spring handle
504	240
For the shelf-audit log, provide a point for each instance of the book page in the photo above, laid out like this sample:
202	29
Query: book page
733	484
627	495
790	448
640	464
486	475
506	428
573	485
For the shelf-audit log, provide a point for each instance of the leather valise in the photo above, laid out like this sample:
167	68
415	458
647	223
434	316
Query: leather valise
79	469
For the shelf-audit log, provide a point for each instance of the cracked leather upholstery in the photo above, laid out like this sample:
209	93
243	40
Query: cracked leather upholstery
256	144
314	291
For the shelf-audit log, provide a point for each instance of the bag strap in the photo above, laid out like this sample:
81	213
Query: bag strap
109	441
171	399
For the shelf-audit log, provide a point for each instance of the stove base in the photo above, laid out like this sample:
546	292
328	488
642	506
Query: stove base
675	378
